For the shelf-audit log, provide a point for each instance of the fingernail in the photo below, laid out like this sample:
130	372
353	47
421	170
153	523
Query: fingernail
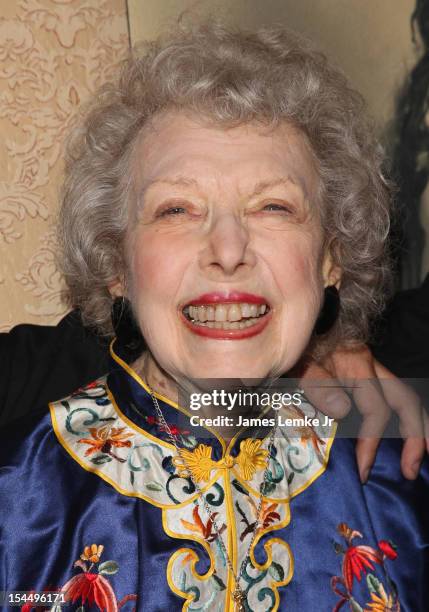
415	468
364	475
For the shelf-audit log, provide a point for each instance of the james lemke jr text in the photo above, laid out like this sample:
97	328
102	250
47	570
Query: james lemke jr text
275	401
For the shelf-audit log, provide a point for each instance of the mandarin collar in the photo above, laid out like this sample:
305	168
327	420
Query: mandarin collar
131	396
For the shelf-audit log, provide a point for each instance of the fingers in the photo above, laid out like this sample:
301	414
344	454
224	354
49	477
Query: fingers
357	366
376	391
375	412
324	391
366	450
412	419
411	457
335	402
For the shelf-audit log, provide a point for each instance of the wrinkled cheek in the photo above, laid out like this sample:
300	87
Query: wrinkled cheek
151	266
141	256
303	299
310	278
305	275
154	283
311	292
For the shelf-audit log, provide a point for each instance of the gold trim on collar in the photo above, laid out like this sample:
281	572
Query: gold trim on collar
159	396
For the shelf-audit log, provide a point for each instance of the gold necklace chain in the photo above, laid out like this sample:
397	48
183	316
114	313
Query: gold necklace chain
238	594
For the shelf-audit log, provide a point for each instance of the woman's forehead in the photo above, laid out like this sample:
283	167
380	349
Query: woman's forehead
187	151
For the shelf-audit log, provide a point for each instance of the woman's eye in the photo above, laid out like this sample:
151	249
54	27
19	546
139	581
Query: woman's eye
172	210
276	207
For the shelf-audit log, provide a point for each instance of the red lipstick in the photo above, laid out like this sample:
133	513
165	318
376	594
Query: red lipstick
227	298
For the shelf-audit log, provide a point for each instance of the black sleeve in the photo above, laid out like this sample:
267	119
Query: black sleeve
39	364
403	339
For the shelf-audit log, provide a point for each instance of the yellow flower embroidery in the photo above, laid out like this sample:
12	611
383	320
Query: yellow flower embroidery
251	458
380	602
198	461
92	553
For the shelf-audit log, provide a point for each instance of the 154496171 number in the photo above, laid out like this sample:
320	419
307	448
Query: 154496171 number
20	598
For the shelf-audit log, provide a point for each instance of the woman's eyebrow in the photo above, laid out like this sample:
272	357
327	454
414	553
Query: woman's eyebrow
180	181
262	186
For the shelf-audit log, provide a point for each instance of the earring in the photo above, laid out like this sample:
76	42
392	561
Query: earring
128	334
329	313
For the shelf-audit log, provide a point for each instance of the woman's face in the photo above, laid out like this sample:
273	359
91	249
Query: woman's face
226	265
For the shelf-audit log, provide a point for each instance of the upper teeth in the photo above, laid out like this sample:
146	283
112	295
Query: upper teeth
225	312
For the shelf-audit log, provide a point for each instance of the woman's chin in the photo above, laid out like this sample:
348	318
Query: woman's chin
244	365
224	373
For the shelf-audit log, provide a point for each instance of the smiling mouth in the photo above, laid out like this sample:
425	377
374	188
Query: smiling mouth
236	316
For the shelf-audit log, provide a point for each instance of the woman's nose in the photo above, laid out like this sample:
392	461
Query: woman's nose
227	248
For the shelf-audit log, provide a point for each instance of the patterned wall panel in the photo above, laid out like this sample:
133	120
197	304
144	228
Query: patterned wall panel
53	55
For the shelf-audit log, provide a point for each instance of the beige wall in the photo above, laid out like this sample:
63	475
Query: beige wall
53	54
369	39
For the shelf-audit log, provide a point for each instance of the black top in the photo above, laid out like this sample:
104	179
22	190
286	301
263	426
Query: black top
403	344
41	363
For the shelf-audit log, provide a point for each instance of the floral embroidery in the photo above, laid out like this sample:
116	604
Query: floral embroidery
380	603
356	561
309	436
269	516
306	433
199	462
176	431
90	585
92	553
105	438
388	549
96	390
206	530
359	561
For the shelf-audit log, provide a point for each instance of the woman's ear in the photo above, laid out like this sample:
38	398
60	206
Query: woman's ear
116	288
331	272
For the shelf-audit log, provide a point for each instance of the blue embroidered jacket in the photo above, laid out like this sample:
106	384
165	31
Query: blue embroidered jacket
96	506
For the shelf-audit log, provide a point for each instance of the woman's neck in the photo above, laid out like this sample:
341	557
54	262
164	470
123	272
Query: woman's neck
155	377
164	384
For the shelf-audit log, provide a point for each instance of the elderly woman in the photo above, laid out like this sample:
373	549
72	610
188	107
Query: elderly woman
225	215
